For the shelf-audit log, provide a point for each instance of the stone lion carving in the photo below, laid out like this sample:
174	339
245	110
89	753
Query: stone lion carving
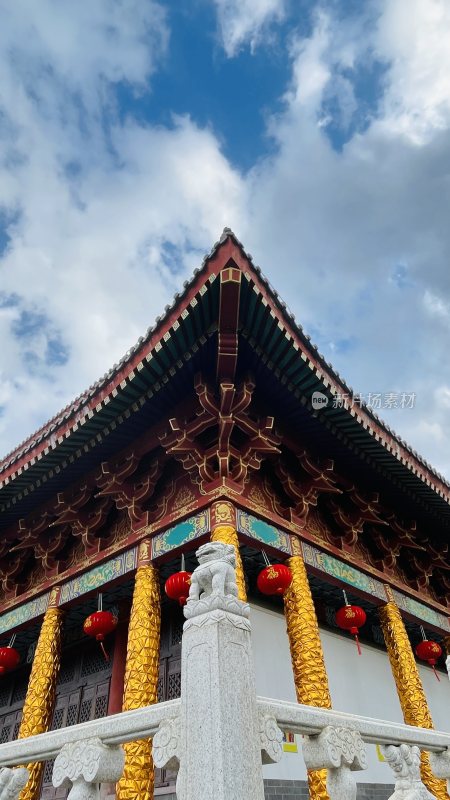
215	574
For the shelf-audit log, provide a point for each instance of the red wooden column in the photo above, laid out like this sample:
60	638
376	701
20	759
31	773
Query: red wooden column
119	659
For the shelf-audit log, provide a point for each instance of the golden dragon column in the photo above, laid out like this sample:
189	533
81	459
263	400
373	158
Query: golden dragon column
310	676
40	698
223	529
141	675
409	686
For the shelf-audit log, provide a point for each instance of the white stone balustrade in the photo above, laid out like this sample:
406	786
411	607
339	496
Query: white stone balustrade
12	781
341	751
405	763
440	764
85	764
219	733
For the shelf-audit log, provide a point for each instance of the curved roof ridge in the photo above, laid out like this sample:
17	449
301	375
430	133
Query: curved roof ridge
82	400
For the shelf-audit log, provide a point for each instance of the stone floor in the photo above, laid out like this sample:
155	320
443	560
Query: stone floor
298	790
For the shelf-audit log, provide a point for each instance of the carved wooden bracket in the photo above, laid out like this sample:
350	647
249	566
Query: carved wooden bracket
115	483
229	456
305	493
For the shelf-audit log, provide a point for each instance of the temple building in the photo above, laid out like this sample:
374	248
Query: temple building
223	422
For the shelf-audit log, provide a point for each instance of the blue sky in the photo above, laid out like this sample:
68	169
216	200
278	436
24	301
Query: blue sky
133	131
231	95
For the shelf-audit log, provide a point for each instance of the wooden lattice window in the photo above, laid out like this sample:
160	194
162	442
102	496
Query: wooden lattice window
82	695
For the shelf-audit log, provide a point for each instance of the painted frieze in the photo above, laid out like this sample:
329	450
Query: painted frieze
180	534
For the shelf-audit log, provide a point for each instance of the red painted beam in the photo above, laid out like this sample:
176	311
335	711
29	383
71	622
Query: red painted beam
227	349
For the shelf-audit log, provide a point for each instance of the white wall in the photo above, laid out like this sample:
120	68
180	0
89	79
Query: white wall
358	684
273	676
438	696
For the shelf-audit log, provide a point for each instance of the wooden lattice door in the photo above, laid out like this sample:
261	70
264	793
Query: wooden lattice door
13	689
82	695
169	684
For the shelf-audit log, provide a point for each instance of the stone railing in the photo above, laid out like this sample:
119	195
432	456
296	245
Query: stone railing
90	753
219	733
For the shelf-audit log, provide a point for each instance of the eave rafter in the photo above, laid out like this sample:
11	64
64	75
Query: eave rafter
390	541
362	522
115	481
46	552
361	510
84	515
227	345
305	493
10	569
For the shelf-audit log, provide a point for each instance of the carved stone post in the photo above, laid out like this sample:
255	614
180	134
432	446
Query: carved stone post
440	764
141	675
310	676
409	686
85	765
223	529
405	763
40	698
12	781
341	751
219	735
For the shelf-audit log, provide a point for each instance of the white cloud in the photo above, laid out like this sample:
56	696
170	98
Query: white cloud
97	206
311	70
87	269
336	225
413	37
442	397
243	22
436	306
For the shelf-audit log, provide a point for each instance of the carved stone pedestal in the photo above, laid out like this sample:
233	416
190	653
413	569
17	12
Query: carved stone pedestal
218	737
218	712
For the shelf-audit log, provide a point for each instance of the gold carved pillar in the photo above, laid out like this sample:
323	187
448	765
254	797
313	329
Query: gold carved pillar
40	698
141	675
409	686
310	676
223	529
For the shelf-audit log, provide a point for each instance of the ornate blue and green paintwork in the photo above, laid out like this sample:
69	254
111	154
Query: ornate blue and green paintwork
353	577
198	526
180	534
263	532
99	576
420	611
343	572
26	612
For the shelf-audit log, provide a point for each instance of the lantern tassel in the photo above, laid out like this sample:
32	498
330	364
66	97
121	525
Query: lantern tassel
358	644
104	651
437	676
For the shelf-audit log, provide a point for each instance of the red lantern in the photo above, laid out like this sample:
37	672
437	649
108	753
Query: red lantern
99	624
9	659
274	579
351	618
177	586
429	651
